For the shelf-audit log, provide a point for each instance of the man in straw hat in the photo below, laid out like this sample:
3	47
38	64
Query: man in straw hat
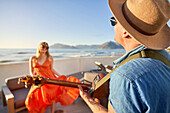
141	84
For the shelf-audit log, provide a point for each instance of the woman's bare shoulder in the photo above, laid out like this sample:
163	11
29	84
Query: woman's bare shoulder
32	58
50	57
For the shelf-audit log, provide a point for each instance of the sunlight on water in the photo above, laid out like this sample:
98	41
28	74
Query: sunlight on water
23	55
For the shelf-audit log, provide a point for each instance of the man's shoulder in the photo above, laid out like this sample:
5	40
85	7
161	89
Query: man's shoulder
164	53
136	68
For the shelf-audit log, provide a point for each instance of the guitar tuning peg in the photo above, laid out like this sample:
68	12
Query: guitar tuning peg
40	78
26	86
26	77
34	78
19	80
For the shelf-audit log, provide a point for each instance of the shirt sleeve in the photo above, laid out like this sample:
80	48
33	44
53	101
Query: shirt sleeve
124	96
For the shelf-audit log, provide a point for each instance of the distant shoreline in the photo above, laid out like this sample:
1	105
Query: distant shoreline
23	55
22	62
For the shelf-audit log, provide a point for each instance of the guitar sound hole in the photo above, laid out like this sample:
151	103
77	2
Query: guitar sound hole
37	82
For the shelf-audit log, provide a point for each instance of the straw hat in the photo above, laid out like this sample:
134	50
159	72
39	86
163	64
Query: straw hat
144	20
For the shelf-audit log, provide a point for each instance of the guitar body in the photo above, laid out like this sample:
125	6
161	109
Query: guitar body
102	93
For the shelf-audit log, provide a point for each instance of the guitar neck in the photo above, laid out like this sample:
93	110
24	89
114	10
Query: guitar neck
68	84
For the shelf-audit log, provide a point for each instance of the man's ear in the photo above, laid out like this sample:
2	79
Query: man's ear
125	34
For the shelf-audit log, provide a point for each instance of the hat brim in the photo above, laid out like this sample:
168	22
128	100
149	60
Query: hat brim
158	41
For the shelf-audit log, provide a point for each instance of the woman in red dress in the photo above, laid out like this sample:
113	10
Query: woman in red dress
39	99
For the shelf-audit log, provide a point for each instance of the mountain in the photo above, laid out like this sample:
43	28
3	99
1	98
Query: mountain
110	45
62	46
87	46
107	45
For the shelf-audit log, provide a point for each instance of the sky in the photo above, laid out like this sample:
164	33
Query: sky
27	23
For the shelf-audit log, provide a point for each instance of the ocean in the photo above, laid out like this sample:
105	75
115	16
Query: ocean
23	55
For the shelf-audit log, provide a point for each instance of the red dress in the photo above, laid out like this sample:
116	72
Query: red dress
39	99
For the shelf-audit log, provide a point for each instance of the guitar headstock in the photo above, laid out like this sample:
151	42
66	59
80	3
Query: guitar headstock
29	81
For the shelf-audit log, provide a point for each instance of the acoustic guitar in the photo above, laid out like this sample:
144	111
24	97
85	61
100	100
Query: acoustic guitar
101	93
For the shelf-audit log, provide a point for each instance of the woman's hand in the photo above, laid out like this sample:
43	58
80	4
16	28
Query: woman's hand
58	75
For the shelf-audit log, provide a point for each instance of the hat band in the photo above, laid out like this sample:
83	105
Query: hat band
131	23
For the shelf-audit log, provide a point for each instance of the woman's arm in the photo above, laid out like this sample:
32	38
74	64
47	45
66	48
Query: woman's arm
52	69
31	69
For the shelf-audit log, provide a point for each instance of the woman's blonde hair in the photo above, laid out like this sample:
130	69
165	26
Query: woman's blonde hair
38	49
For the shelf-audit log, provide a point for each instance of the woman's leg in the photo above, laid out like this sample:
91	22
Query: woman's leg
42	110
53	107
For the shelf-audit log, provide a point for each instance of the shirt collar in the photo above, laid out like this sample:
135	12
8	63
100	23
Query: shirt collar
135	50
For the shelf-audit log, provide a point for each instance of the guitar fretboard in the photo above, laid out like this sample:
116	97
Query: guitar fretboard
68	84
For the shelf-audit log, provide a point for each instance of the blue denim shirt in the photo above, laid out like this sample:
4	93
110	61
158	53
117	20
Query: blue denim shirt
141	85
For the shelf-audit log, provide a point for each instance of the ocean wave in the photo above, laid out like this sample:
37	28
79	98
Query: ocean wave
24	52
6	61
58	57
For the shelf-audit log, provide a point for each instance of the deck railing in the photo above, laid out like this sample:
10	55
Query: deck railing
62	66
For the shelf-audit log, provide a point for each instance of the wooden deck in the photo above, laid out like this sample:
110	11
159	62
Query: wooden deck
79	106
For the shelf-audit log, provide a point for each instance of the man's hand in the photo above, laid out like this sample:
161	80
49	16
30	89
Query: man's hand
94	106
83	94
